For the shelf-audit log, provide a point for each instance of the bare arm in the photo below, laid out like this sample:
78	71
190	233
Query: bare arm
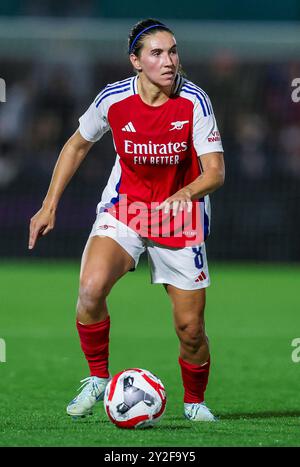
212	177
70	158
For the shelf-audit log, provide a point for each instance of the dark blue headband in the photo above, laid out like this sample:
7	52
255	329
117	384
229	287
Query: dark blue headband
144	30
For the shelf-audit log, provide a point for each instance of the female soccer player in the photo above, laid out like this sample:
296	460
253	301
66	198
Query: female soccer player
169	157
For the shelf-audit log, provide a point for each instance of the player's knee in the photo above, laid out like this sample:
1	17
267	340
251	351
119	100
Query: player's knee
92	290
192	336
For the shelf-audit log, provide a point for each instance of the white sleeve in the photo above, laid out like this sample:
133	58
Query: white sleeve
93	123
206	136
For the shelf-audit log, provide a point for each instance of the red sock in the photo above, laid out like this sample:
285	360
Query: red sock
94	340
194	378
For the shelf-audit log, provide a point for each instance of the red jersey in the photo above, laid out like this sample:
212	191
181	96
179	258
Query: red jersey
158	151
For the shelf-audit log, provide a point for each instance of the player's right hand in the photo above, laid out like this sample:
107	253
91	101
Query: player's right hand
40	224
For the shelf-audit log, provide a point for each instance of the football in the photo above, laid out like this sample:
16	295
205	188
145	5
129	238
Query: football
135	398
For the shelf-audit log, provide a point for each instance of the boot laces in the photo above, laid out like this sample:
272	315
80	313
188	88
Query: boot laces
89	387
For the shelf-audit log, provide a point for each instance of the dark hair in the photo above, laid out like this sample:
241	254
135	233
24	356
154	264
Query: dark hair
142	29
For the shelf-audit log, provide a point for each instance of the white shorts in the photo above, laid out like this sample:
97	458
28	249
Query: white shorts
185	268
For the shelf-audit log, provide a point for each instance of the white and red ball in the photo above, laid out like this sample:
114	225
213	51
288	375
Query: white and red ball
135	398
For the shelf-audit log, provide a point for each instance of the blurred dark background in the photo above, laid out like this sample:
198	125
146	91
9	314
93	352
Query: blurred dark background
56	56
258	10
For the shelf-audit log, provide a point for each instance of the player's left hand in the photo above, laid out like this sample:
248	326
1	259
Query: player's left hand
177	202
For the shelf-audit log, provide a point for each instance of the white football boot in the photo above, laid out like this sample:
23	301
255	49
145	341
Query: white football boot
92	392
198	413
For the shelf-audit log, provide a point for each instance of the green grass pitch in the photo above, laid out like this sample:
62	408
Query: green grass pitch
252	316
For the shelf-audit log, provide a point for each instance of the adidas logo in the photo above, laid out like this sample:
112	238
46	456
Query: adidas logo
129	127
201	277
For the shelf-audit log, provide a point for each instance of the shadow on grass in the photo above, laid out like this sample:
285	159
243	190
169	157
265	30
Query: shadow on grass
162	427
